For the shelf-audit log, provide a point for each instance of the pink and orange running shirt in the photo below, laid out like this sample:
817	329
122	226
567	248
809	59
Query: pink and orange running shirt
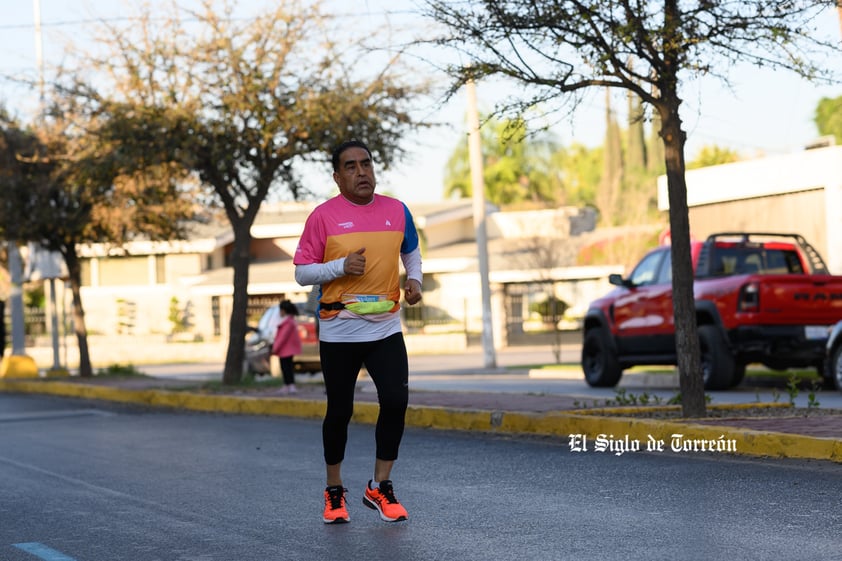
338	227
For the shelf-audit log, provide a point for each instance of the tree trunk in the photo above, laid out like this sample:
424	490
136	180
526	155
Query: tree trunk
2	328
74	270
684	307
556	319
237	327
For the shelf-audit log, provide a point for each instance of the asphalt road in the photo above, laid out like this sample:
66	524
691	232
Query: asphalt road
85	481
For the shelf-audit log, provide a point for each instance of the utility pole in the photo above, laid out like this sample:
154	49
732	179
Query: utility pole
478	190
54	268
39	54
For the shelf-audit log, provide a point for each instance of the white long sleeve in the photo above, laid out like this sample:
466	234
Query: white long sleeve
319	273
412	264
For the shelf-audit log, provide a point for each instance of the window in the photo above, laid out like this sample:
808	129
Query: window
743	260
84	272
646	271
665	274
160	271
783	263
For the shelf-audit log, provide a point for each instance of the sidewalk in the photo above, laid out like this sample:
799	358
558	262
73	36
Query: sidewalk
772	430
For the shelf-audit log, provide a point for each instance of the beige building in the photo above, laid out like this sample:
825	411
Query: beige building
799	193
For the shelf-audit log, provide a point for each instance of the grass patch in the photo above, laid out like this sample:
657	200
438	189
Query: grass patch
760	372
120	371
246	383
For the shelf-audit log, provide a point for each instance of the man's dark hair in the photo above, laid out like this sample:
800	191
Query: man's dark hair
337	152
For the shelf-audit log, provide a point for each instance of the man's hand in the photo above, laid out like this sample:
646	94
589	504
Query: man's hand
412	291
355	263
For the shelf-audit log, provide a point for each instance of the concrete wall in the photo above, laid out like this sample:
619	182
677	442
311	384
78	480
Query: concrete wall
796	213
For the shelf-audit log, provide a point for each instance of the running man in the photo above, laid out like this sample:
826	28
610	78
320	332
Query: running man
350	246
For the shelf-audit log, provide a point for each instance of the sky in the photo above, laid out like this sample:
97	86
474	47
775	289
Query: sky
765	112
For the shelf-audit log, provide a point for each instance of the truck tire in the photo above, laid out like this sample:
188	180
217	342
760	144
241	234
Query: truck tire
826	374
717	361
599	362
739	374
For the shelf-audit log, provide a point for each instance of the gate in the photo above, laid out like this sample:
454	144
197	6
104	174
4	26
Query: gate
532	312
516	304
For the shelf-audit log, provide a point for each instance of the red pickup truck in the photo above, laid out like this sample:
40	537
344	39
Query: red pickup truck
760	298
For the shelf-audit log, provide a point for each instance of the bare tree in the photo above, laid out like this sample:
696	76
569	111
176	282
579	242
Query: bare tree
242	104
542	254
556	50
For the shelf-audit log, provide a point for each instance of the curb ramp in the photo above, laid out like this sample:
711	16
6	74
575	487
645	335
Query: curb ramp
587	432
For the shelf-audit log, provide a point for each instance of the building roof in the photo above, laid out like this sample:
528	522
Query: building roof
760	177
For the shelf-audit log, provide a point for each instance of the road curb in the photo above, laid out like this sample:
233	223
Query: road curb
584	431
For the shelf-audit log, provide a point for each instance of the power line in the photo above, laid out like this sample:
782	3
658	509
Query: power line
134	19
67	23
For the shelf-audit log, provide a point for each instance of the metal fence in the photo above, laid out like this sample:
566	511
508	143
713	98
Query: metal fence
417	317
34	323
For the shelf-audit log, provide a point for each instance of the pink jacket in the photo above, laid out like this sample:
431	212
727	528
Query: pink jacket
287	341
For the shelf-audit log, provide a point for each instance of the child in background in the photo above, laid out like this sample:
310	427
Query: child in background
287	344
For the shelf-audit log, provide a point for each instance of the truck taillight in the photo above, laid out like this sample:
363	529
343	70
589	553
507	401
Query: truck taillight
749	300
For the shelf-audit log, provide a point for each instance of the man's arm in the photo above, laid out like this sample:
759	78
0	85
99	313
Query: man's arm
319	273
412	265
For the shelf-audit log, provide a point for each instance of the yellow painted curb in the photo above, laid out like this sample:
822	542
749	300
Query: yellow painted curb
18	366
592	433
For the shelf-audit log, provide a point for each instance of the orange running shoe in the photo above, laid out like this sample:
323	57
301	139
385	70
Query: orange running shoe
383	500
335	511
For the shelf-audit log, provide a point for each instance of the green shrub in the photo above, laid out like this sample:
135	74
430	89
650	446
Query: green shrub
552	307
119	370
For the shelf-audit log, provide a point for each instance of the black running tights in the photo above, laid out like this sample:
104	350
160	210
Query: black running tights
387	365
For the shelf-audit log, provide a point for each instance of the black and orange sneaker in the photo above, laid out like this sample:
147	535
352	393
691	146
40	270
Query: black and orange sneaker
335	511
383	501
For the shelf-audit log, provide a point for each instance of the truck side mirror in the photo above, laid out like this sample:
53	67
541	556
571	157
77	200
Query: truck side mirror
616	279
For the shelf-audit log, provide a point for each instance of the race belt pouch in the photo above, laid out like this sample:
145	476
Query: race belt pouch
364	308
362	304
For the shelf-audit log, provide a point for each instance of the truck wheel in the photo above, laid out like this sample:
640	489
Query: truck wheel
599	363
738	375
836	367
826	373
717	361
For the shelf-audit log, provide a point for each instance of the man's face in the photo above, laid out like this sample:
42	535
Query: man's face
355	176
